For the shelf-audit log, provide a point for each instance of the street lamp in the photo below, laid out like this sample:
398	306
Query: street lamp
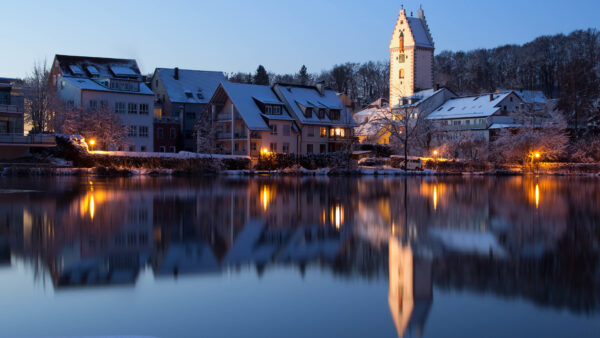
92	142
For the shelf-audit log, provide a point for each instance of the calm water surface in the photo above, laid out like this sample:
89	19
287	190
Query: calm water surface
300	257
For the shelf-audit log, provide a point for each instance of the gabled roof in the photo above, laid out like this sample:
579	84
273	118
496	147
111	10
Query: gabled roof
419	31
528	96
194	82
469	107
421	96
309	96
71	65
243	97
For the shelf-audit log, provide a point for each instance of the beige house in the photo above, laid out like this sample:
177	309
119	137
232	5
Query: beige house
250	119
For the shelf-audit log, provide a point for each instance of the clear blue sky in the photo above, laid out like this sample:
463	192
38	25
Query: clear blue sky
237	35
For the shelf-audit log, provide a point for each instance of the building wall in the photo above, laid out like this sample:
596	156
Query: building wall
166	135
315	139
423	73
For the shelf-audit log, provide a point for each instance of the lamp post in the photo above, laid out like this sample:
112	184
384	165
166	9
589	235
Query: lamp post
92	143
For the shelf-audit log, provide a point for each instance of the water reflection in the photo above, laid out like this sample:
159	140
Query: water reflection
533	238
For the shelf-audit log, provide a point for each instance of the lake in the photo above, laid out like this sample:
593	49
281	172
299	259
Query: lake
300	257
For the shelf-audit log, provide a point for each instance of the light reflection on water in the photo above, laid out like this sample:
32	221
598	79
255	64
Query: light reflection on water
272	253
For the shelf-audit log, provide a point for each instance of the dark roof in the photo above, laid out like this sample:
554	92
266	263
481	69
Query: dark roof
102	65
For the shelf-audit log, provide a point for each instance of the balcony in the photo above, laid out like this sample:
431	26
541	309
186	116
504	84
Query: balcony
459	127
40	140
9	108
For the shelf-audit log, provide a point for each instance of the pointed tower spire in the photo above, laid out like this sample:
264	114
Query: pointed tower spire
421	13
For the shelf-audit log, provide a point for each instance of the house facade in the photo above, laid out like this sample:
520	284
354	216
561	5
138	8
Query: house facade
249	120
325	123
116	85
13	141
166	134
478	115
183	94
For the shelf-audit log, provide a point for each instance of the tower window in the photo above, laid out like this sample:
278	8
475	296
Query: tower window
401	74
401	44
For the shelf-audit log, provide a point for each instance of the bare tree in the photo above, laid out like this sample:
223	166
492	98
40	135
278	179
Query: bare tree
205	132
102	125
40	99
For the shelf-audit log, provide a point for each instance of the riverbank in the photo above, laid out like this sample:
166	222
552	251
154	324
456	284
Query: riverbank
19	171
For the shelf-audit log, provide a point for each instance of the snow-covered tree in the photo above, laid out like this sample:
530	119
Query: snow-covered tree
533	134
102	125
205	133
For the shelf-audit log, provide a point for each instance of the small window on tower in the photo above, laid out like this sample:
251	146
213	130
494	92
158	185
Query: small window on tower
401	75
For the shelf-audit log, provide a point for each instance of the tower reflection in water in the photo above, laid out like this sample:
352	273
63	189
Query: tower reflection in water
505	237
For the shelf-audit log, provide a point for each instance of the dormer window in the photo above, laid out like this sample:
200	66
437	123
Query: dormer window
321	113
189	95
268	110
334	114
277	110
308	112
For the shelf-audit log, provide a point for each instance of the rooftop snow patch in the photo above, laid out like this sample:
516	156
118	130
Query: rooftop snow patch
199	82
469	107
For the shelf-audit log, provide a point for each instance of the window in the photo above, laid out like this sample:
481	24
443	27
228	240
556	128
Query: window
143	148
273	147
274	129
334	114
308	112
321	113
132	131
268	110
323	131
286	148
103	104
276	110
144	110
286	130
143	131
309	148
163	149
93	104
468	122
132	108
172	133
131	148
310	131
401	74
159	133
322	148
253	146
172	149
120	107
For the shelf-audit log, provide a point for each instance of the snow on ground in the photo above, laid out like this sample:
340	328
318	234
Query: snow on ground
179	155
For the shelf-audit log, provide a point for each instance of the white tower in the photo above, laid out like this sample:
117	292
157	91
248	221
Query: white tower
411	57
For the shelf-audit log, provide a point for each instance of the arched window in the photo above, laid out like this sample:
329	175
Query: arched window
401	74
401	42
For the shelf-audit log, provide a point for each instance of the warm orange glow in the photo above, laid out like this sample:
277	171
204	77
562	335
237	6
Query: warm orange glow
435	153
265	151
92	142
337	216
435	197
266	195
92	207
537	155
537	196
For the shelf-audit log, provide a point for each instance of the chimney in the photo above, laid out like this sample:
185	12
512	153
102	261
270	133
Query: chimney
491	97
436	87
176	73
321	87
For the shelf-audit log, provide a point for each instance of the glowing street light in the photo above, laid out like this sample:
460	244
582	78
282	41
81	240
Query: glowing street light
537	155
92	142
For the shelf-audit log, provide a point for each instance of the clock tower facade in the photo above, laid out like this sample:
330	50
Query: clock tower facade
411	57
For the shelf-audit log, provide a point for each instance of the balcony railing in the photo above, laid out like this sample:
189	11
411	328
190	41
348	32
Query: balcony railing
474	126
9	108
42	139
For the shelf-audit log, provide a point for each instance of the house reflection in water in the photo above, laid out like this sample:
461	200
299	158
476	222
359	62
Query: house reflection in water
410	288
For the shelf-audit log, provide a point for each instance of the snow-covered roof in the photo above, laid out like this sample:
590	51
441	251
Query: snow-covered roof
504	125
528	96
374	124
243	97
469	107
310	96
419	31
70	65
89	84
465	241
191	81
420	97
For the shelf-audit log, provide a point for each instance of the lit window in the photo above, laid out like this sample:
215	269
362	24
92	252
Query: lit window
401	74
323	131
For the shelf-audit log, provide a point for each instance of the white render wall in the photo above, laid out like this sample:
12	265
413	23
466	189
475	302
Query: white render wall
82	98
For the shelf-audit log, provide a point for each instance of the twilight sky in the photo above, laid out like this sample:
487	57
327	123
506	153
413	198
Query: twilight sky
237	35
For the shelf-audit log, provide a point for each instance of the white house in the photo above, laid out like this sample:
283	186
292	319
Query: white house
106	83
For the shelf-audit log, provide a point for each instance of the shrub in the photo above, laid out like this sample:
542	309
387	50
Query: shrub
377	150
